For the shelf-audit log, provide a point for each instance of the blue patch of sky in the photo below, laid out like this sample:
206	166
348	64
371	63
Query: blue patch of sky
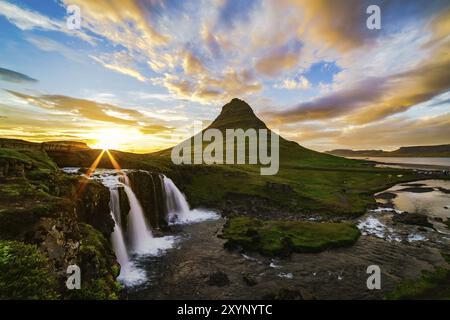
322	72
290	97
52	9
233	11
396	14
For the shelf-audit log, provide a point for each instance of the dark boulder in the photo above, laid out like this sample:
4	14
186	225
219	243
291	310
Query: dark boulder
218	279
416	219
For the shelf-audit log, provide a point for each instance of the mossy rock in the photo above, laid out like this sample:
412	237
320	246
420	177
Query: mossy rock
281	238
24	273
98	267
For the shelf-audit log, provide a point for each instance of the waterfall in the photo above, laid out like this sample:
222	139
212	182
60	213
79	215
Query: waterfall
137	240
176	204
178	211
138	231
128	273
141	237
114	205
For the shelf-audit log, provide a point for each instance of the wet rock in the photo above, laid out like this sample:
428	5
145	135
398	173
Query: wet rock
82	170
413	184
249	280
413	219
386	196
284	294
444	190
218	279
124	207
417	189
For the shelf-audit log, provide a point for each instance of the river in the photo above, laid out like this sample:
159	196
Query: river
190	271
192	263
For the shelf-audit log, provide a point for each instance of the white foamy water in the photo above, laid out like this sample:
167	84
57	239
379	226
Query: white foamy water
287	275
178	208
416	237
380	210
138	231
372	226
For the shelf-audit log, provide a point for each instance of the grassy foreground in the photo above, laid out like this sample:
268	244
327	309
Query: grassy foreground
433	285
281	238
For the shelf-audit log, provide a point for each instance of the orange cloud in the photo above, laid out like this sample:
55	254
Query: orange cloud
277	63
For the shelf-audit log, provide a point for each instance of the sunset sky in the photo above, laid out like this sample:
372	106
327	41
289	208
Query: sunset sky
139	73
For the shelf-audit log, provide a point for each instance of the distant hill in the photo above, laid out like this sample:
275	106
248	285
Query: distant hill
45	146
415	151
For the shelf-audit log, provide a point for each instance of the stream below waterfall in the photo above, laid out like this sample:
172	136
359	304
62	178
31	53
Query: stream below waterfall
192	263
201	268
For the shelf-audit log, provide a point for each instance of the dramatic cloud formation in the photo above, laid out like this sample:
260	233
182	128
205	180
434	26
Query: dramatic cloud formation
378	97
91	110
121	62
311	68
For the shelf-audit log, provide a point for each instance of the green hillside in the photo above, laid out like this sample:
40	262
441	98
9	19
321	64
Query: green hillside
308	182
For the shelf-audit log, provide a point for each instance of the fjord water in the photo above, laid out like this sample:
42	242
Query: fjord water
419	161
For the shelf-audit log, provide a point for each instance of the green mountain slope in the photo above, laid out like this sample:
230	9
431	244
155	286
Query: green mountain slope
308	182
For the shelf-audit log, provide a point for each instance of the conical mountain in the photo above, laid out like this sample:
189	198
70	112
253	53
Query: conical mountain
237	114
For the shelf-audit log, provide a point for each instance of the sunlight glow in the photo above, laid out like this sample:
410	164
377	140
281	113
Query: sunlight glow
109	139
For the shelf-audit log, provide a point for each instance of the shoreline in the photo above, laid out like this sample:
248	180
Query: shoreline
403	165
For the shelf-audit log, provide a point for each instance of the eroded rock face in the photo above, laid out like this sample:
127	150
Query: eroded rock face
148	187
92	207
67	230
13	168
124	207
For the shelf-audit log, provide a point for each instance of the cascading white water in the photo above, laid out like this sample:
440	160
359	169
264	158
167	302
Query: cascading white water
138	231
141	237
114	205
128	272
177	207
176	204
